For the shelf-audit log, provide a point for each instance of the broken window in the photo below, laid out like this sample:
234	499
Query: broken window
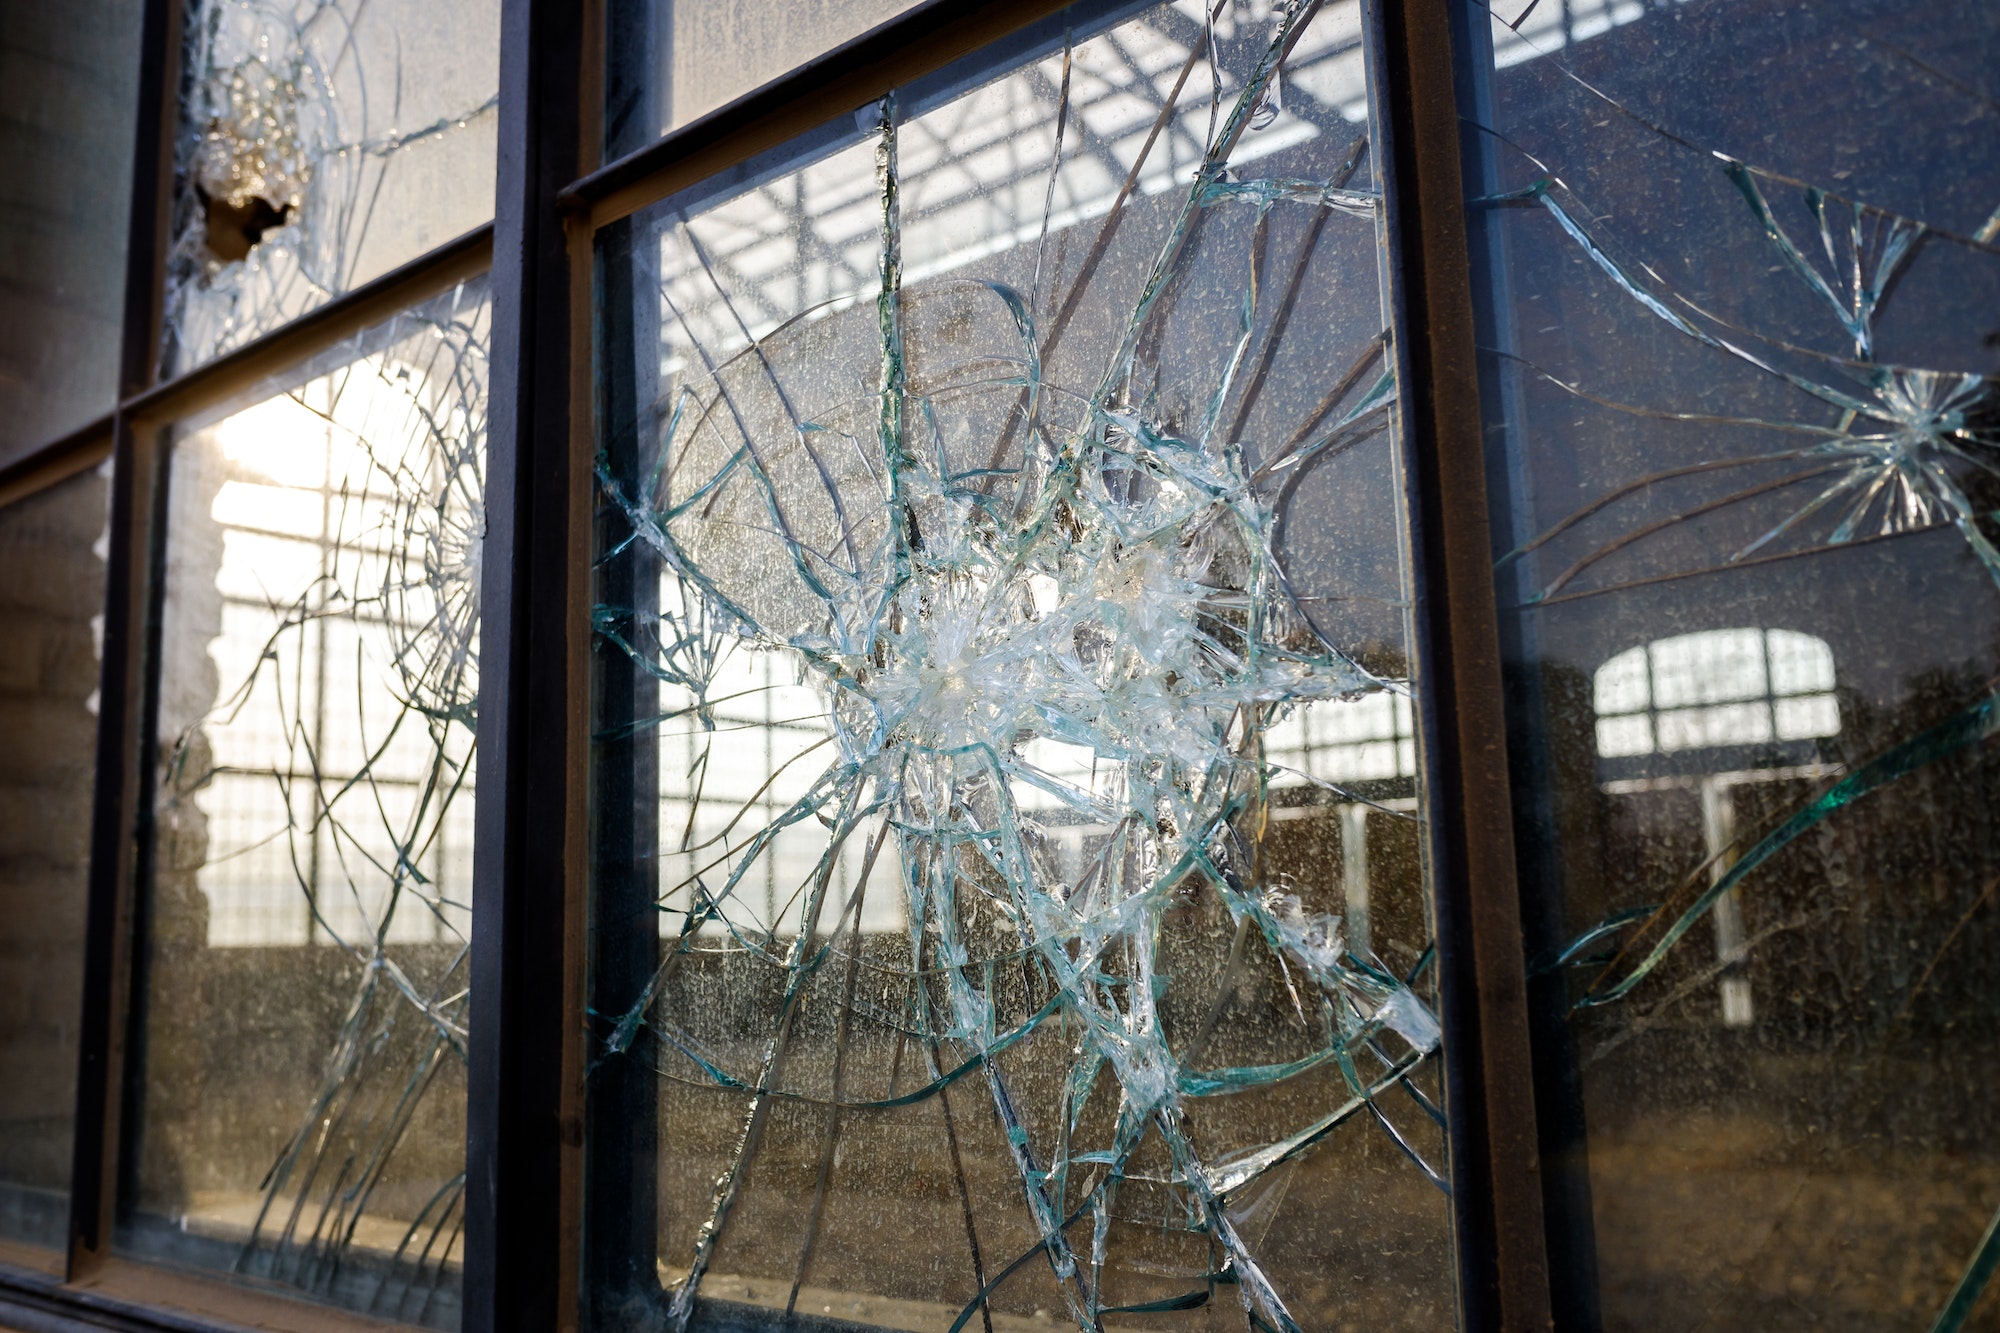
322	143
1007	906
1739	362
306	932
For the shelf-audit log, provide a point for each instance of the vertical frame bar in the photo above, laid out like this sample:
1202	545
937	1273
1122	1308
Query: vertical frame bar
122	797
1469	845
523	1121
1568	1216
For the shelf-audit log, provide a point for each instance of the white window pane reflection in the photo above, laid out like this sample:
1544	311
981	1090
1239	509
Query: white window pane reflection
1715	688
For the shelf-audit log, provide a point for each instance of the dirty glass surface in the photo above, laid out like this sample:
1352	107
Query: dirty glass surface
303	1070
672	61
1007	909
52	546
321	144
1743	327
68	91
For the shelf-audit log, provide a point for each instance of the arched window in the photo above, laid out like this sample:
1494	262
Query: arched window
1715	687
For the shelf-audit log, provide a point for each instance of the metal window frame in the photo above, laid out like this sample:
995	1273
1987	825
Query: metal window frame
526	1115
1497	1186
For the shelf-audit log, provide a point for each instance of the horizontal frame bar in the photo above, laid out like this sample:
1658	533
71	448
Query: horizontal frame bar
57	461
133	1296
523	1127
318	329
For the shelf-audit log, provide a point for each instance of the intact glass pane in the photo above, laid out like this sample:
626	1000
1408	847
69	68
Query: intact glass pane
68	93
672	61
1741	358
52	546
1007	895
305	1005
322	143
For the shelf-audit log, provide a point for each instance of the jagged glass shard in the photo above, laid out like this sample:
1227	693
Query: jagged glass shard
1741	358
1007	893
52	545
309	909
321	144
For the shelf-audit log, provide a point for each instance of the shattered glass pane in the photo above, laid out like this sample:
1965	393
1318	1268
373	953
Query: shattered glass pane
322	143
305	1004
1008	910
1740	362
69	79
52	546
673	61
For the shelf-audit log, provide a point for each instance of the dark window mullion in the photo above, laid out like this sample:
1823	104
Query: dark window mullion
921	39
283	348
1469	845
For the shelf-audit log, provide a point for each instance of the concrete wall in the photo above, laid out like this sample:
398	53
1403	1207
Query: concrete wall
68	76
